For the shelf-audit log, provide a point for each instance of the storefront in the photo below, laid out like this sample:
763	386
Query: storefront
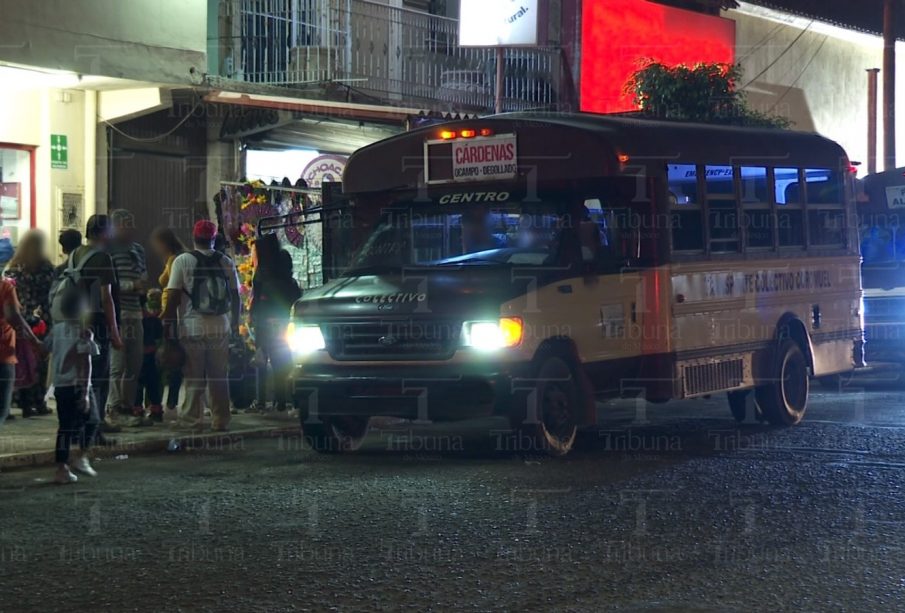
43	177
53	147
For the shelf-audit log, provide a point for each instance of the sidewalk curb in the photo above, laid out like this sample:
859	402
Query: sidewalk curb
32	459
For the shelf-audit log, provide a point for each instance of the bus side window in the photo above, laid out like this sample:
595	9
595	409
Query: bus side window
756	207
826	217
789	216
722	209
686	218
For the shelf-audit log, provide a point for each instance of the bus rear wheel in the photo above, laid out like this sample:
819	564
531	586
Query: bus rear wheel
784	399
336	434
548	416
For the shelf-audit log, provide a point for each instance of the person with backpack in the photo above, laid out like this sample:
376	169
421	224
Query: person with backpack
125	365
202	312
86	291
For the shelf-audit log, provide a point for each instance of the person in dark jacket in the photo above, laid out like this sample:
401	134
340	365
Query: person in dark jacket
274	291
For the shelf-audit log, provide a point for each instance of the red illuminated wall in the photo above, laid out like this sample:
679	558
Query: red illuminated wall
616	35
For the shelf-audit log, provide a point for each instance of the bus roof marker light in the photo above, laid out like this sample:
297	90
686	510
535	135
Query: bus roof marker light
467	133
623	158
486	132
447	134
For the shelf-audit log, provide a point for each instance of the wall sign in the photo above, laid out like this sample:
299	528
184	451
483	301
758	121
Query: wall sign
59	151
324	168
484	159
497	23
895	196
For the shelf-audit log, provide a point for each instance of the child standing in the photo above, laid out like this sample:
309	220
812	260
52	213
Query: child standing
72	345
149	381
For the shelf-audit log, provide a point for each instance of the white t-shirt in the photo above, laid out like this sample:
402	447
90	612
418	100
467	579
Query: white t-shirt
182	277
71	345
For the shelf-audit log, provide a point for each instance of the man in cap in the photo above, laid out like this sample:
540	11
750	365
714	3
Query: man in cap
202	312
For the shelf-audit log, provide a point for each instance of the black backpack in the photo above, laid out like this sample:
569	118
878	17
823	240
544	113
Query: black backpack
210	293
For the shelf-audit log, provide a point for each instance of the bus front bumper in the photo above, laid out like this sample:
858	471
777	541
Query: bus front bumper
428	392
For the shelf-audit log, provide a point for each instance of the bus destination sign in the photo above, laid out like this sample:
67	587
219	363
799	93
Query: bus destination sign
484	159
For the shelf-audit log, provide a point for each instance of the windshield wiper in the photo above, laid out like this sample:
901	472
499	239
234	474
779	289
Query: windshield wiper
472	261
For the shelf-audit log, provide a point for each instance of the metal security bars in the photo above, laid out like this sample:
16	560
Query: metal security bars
378	51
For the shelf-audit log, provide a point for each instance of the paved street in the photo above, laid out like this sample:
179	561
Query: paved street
687	512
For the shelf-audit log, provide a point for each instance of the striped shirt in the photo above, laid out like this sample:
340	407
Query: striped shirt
131	266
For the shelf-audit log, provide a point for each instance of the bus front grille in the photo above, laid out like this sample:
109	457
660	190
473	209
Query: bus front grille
392	339
707	377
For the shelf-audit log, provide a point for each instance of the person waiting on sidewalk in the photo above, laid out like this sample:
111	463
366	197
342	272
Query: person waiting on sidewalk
11	324
149	381
70	239
125	364
168	247
72	347
32	274
274	291
97	279
202	311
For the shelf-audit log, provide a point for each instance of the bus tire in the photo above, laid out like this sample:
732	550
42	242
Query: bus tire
784	399
343	434
548	416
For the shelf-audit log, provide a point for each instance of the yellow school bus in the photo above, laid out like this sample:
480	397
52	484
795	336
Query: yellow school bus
526	265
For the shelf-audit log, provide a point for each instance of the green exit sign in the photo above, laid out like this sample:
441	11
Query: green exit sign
59	151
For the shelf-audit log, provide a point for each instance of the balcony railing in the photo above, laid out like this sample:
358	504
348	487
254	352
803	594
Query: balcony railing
376	51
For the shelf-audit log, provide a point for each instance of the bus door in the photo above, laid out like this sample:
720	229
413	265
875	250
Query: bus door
613	296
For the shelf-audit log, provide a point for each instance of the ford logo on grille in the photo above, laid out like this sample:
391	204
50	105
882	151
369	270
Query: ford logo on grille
388	340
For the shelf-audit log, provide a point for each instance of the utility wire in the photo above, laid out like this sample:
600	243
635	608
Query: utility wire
159	137
800	74
778	57
763	41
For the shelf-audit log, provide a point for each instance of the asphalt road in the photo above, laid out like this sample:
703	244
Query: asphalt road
663	508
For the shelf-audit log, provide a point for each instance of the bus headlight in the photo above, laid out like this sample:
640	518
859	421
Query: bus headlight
492	335
304	339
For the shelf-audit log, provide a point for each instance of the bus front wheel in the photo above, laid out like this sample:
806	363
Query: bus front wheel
784	398
335	434
547	415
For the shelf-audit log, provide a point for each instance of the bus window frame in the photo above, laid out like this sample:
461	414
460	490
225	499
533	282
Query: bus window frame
768	205
799	206
836	206
700	207
702	173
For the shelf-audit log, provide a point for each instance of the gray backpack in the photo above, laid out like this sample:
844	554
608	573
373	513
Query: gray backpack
210	288
69	299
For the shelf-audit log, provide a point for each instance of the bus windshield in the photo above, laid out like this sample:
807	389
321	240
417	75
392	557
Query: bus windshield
412	235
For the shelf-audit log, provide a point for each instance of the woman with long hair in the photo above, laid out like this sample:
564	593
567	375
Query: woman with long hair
274	291
32	273
167	246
